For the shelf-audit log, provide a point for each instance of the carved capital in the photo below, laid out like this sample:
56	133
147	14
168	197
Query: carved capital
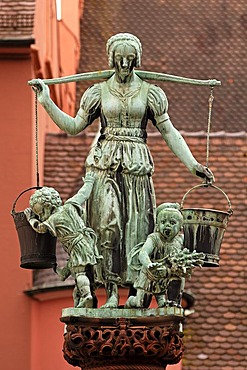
123	345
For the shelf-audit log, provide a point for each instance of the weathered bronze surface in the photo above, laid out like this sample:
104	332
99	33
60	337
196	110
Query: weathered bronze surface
159	266
145	75
120	212
66	223
38	251
121	206
204	228
203	232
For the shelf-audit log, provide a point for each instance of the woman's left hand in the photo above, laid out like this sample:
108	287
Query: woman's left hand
205	173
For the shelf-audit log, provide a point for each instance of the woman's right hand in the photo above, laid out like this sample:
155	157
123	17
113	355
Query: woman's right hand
43	92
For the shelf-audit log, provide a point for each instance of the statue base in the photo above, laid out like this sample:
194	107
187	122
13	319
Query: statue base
115	339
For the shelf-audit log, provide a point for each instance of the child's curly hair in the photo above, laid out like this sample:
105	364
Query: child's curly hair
46	196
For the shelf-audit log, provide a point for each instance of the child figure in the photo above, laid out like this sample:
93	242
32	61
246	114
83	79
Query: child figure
66	223
160	265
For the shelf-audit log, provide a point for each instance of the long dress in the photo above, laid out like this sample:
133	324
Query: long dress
121	206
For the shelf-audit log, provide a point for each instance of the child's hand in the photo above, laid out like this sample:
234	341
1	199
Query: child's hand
158	270
90	176
154	265
29	214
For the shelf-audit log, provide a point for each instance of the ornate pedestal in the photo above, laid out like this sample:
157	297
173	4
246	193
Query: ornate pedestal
115	339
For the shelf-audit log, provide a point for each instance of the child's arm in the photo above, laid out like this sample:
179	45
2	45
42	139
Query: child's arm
38	226
84	192
145	252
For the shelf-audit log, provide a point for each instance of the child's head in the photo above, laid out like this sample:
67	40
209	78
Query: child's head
169	222
44	201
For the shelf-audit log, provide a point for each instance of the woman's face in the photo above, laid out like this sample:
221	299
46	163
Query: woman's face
124	60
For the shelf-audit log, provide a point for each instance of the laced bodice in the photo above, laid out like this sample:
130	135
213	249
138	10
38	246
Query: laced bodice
124	116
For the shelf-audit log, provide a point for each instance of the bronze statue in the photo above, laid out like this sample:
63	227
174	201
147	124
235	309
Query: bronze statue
159	266
121	206
66	223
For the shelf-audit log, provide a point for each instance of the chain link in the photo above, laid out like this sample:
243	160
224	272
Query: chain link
36	137
210	105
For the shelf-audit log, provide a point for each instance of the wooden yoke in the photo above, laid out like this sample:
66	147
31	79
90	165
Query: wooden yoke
145	75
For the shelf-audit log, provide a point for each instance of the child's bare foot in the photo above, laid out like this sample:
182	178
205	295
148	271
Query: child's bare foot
112	302
85	302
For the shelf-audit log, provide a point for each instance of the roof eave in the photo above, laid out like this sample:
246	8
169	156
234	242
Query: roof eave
16	48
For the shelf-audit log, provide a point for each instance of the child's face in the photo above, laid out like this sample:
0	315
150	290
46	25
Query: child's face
169	224
43	212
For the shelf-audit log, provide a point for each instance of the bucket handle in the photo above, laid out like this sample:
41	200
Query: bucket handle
24	191
230	211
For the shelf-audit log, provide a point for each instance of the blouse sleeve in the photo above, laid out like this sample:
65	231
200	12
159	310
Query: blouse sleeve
158	104
50	224
90	104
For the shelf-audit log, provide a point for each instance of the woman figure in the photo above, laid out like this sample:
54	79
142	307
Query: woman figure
121	206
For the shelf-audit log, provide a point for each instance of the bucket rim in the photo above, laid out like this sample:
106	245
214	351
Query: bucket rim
206	209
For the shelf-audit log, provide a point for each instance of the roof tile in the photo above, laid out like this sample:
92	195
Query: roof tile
16	19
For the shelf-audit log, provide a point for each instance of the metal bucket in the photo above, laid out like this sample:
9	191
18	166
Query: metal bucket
204	229
38	251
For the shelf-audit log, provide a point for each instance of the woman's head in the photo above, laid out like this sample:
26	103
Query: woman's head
125	39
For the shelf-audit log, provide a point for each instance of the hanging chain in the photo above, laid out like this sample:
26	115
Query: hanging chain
36	136
210	105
